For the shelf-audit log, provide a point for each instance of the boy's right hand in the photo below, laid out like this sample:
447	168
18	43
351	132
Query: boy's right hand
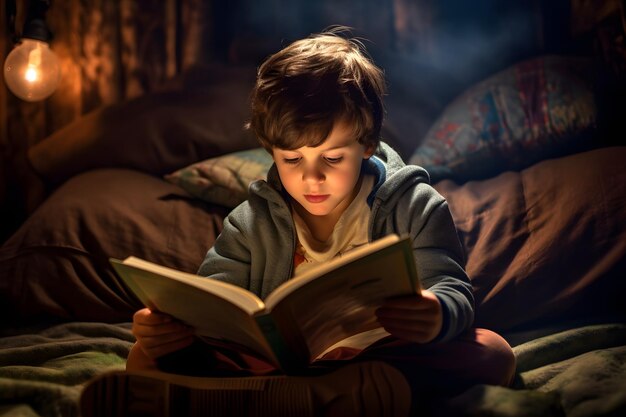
159	334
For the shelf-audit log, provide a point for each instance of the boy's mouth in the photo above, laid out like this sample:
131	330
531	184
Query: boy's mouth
317	198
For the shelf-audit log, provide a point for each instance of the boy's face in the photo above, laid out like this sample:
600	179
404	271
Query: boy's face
322	180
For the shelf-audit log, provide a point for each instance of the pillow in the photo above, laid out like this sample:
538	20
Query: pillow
155	133
540	108
56	264
548	243
224	180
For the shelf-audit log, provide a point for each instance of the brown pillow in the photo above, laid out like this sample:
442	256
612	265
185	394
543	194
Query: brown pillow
156	133
56	264
546	243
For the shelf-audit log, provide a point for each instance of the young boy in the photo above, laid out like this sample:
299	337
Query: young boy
317	108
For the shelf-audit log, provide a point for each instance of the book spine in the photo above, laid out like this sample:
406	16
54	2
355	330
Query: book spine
289	361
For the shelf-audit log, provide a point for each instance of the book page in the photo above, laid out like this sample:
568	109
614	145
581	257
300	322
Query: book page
359	341
342	302
286	288
246	300
201	303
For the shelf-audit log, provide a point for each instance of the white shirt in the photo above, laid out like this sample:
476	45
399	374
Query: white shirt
349	233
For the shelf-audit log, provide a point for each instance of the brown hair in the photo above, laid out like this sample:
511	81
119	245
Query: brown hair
302	90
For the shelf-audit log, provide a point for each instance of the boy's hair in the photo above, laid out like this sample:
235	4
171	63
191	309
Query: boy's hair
302	90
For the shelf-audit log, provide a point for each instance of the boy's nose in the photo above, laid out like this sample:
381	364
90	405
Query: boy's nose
313	174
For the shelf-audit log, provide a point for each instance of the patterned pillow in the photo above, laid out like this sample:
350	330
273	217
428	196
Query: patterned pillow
224	180
540	108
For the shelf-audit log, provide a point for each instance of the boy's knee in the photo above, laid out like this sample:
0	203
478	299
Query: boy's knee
496	360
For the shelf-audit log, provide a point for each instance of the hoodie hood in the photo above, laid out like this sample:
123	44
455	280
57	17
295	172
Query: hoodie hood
393	175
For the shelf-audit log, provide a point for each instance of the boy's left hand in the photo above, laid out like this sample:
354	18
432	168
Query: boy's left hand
415	318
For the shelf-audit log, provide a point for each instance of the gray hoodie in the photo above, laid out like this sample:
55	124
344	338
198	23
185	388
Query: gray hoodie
256	247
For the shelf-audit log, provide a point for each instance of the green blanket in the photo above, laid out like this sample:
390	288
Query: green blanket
578	372
42	371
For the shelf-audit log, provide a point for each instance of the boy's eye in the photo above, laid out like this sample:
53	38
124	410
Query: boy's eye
291	160
334	160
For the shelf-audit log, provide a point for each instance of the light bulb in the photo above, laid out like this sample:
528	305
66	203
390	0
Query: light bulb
32	70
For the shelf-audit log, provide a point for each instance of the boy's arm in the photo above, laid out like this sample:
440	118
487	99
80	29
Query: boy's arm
440	259
254	249
229	259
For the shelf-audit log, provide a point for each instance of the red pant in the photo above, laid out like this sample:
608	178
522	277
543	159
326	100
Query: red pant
478	356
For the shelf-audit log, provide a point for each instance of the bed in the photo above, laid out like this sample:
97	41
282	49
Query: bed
536	186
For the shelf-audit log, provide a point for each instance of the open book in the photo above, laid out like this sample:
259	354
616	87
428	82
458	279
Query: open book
301	319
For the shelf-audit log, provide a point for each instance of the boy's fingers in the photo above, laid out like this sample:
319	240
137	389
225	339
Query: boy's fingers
174	327
155	341
421	333
393	311
411	303
412	335
154	352
148	317
406	323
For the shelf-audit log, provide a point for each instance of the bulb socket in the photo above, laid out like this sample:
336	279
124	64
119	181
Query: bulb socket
37	29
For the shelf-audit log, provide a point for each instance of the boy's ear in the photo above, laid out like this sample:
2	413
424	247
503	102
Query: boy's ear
369	151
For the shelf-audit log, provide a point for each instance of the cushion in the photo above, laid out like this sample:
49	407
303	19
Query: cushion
224	180
540	108
155	133
56	264
547	243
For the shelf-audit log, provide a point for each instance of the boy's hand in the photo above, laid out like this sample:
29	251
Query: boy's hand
159	334
415	318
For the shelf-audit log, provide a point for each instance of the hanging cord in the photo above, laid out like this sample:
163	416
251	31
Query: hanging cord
11	13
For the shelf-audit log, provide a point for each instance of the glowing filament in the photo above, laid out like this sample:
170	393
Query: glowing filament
31	74
34	64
